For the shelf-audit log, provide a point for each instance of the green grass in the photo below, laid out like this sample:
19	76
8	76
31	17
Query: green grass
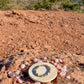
45	4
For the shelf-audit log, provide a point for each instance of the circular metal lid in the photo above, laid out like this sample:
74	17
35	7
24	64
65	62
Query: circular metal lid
42	72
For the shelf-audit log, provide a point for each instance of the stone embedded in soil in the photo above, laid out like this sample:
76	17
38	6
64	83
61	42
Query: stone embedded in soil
51	62
12	74
19	80
35	60
62	74
47	61
39	60
55	64
63	63
26	63
68	77
19	76
17	72
60	60
59	67
23	66
44	58
64	68
57	60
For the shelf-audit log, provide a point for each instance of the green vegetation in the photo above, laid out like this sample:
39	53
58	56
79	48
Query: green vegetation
67	5
4	3
43	4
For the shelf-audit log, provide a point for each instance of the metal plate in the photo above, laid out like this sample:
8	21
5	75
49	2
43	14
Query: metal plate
42	72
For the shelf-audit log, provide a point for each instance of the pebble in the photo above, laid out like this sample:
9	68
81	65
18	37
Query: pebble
64	68
17	72
63	63
58	71
62	74
23	66
47	61
29	61
19	76
68	77
52	62
55	64
26	63
60	60
20	81
40	61
12	74
9	72
35	60
59	67
68	83
44	58
57	60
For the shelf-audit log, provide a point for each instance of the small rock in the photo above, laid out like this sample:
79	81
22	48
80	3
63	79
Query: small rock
35	60
23	66
44	58
52	62
57	60
47	61
20	81
60	61
40	61
26	63
59	67
62	74
11	74
64	68
63	63
68	77
17	72
55	64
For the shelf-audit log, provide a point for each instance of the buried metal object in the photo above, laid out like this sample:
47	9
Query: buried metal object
42	72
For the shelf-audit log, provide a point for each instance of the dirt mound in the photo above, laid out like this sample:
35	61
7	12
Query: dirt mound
29	34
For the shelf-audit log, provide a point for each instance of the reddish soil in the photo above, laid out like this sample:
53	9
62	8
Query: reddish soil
29	34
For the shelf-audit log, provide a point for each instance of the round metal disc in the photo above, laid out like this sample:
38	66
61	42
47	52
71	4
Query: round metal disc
42	72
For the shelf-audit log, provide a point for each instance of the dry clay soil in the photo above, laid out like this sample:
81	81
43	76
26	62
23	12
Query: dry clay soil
29	34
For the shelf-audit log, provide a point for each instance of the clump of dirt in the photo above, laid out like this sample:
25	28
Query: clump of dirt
28	34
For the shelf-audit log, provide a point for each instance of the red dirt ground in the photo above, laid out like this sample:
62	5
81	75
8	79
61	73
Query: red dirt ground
42	33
